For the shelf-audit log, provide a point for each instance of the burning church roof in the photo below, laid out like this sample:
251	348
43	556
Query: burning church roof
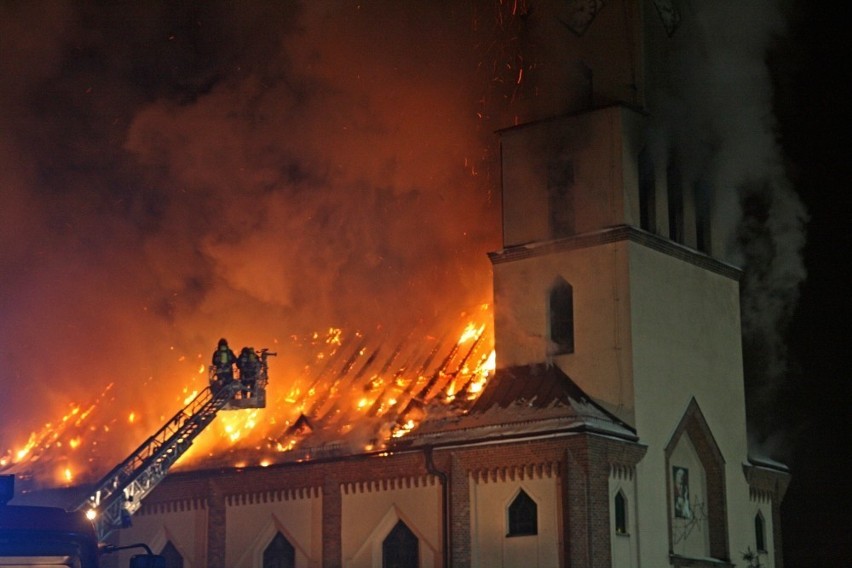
519	401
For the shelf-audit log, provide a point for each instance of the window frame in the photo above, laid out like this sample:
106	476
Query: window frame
621	518
522	504
560	308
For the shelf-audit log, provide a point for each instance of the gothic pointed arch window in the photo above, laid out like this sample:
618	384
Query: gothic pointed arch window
561	308
523	515
401	549
620	506
279	554
171	555
759	532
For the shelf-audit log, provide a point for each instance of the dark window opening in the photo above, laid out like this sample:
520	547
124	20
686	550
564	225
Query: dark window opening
560	197
401	549
675	195
620	513
647	192
702	217
759	533
279	554
523	516
562	317
172	556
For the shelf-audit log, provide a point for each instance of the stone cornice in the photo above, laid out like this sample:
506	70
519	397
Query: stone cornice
766	483
613	235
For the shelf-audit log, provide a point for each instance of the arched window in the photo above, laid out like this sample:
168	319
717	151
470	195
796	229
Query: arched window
562	317
759	532
279	554
172	556
620	513
523	515
400	549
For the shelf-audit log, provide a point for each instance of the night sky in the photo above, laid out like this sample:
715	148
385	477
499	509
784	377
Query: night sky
812	105
173	172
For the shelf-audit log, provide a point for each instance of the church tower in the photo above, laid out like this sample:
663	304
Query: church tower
609	271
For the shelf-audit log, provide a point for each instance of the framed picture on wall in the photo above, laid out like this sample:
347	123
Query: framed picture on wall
680	493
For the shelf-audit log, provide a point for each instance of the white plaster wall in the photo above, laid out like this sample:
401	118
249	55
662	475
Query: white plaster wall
490	547
625	547
187	531
251	527
585	141
369	514
601	362
685	325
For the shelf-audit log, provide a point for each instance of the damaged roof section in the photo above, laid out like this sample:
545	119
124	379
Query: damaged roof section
521	401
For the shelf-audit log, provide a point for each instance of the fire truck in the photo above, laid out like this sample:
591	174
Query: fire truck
47	536
50	536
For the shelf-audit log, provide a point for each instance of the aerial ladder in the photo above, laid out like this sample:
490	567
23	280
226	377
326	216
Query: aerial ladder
119	493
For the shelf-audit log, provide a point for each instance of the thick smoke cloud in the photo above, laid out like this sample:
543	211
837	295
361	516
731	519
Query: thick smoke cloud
173	173
714	114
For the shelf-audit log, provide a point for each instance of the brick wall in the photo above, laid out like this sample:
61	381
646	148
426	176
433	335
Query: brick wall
581	461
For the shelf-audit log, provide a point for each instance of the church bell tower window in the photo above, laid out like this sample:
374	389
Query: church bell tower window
561	309
675	198
647	192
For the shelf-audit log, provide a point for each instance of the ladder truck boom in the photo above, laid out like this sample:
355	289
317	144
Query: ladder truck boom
119	493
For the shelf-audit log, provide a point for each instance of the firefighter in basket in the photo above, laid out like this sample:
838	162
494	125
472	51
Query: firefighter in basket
223	365
249	366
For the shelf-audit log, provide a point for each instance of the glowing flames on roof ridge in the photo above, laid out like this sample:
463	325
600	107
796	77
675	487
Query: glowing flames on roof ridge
353	395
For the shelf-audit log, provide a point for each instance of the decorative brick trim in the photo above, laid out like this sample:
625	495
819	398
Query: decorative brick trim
526	471
177	506
769	485
284	494
388	484
766	484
